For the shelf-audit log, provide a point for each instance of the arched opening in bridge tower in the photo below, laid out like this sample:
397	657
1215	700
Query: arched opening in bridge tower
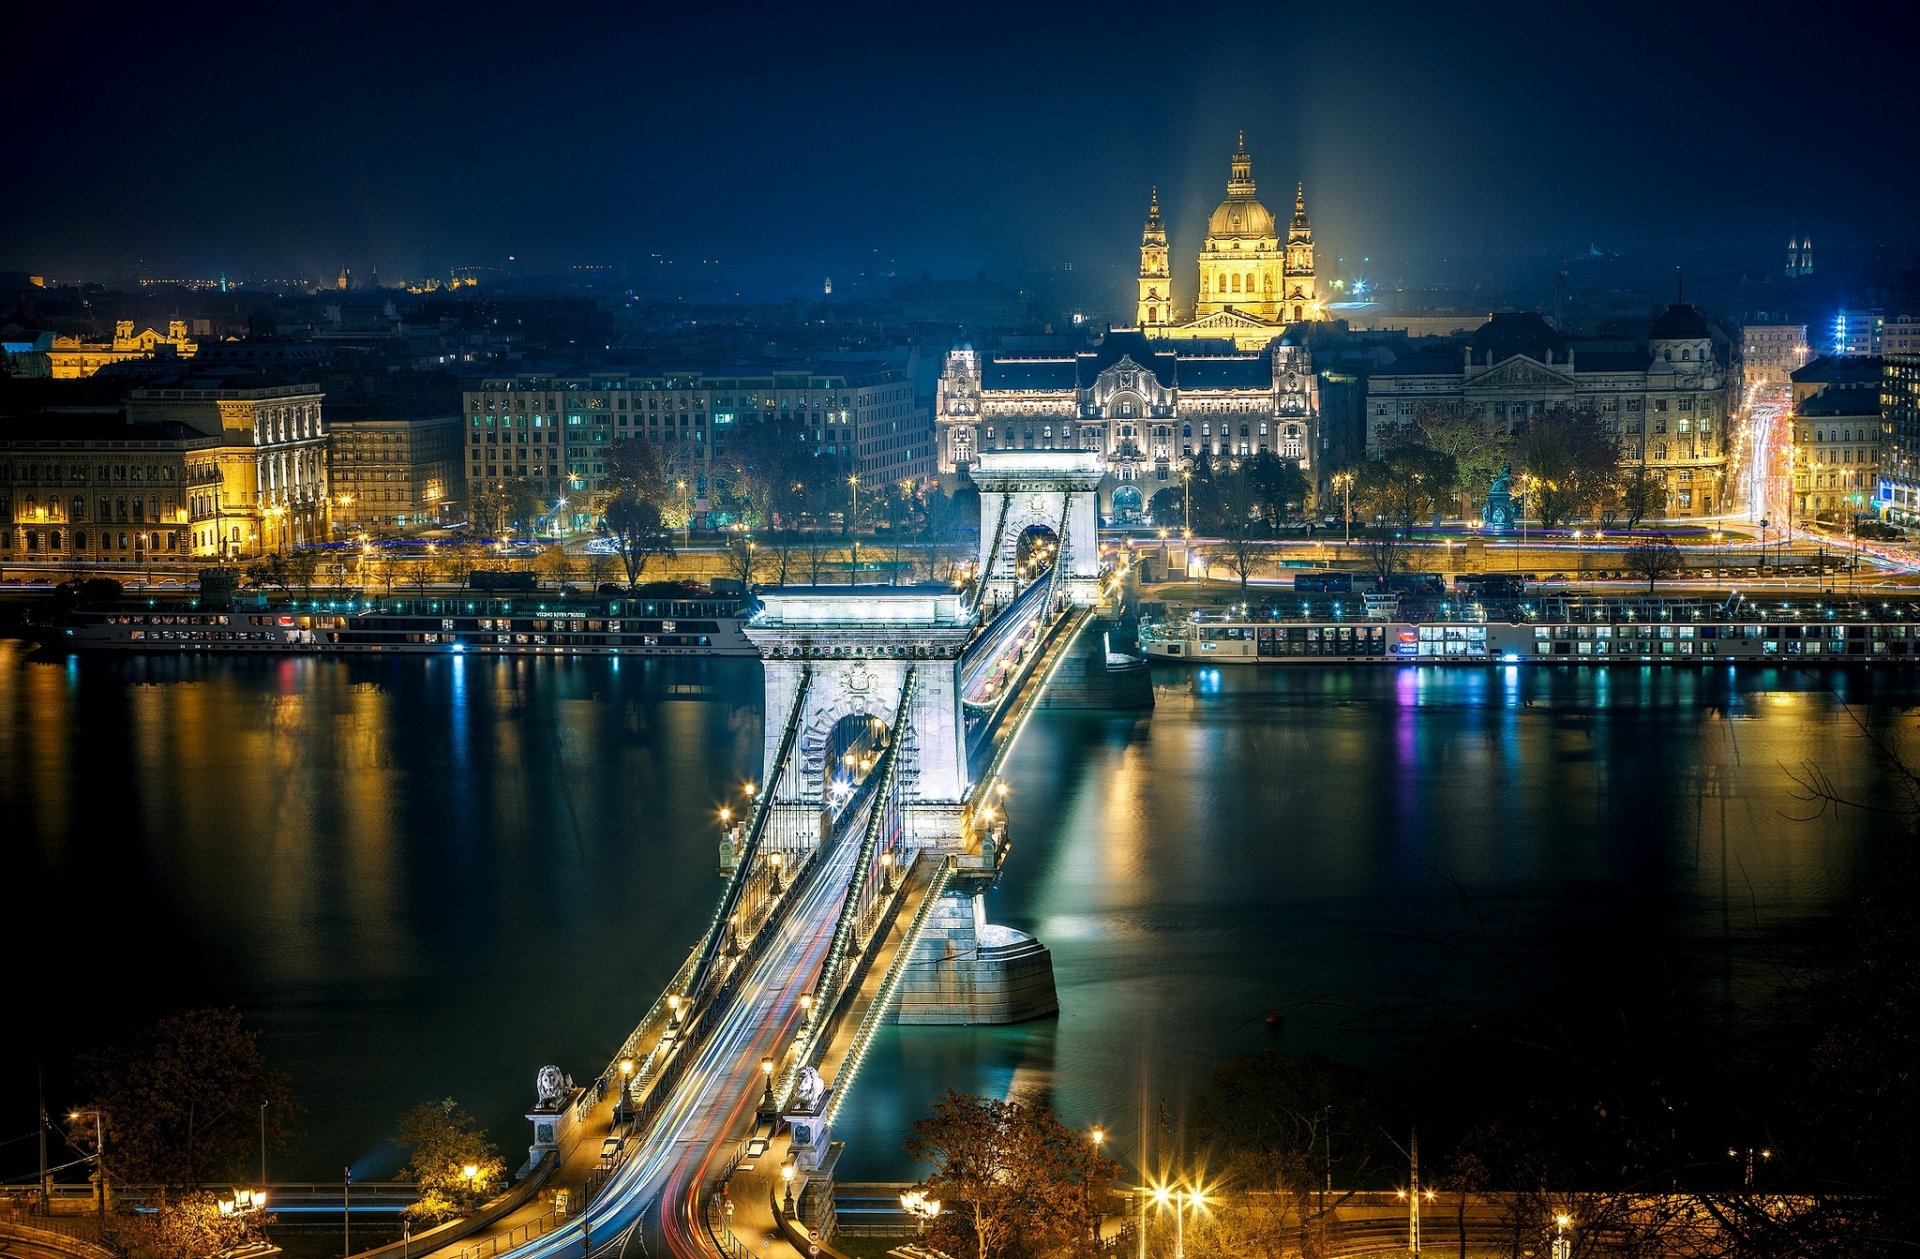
852	749
1034	552
1129	504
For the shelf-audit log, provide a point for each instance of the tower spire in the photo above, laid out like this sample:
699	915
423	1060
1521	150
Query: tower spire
1240	181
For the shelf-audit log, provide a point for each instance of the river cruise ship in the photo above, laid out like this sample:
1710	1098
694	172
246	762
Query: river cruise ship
1585	630
486	626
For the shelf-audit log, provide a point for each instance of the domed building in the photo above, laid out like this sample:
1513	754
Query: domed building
1253	283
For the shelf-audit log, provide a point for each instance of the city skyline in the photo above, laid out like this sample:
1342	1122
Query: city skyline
789	146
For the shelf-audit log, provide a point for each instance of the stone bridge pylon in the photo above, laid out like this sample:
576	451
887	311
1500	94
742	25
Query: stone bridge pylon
833	653
1053	489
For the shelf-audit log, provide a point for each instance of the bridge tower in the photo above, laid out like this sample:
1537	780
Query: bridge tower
1057	489
851	648
830	653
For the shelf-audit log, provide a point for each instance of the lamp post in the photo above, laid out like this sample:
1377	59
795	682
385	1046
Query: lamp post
346	1210
626	1082
786	1178
1099	1135
853	525
766	1094
263	1147
1345	481
1562	1248
1749	1154
923	1209
1186	497
1181	1197
99	1158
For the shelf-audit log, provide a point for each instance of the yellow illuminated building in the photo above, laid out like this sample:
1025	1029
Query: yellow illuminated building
1253	281
73	359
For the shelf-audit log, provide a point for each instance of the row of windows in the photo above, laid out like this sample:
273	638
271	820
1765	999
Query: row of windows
118	508
54	473
54	541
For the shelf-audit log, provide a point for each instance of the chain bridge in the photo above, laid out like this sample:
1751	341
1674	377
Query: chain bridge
852	894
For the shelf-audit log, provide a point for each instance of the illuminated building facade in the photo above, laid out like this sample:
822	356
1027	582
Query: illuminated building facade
1836	453
1149	406
91	488
1667	402
1770	354
1254	279
264	488
1898	494
70	358
553	431
1857	334
390	471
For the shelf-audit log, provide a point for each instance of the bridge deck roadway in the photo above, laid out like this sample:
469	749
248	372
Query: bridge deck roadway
756	1182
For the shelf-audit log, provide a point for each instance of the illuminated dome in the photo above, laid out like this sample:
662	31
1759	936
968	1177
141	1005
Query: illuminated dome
1241	218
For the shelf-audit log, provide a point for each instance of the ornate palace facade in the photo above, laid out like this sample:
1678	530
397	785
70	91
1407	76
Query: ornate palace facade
1149	406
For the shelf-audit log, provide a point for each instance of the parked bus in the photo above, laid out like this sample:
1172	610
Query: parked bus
1325	581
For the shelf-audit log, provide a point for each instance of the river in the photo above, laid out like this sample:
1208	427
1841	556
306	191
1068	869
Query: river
427	877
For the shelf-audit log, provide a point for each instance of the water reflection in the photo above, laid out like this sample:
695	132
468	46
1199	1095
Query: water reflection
427	878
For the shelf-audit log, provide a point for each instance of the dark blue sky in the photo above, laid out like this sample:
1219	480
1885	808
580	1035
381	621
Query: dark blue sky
290	139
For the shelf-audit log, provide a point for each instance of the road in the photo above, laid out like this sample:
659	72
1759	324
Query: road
695	1135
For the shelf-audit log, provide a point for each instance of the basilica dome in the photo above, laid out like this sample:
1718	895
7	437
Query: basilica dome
1241	218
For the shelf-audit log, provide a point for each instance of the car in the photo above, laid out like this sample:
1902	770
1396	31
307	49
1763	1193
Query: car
610	1149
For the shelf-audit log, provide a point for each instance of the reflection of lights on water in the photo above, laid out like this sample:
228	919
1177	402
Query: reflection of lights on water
1208	681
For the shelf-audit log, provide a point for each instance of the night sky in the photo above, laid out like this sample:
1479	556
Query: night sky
796	141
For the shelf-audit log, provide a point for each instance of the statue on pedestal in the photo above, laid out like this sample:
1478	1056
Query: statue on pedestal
1498	515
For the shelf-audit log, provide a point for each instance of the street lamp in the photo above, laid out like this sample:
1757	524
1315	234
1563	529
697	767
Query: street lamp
923	1209
1562	1248
1186	495
99	1156
1182	1198
766	1071
1749	1155
1345	481
786	1177
806	1008
1099	1135
853	524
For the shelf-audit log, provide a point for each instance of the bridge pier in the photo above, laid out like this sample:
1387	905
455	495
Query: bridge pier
967	970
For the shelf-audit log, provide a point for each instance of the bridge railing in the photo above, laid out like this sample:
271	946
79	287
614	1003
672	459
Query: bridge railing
876	1013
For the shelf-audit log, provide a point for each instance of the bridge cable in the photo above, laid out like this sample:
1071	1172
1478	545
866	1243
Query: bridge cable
829	993
763	807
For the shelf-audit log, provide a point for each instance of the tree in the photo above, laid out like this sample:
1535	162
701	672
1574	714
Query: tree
638	464
1642	494
1277	486
182	1101
192	1226
302	566
556	565
1238	525
1012	1179
523	506
638	532
271	571
1167	507
445	1141
1277	1119
1405	485
1478	448
1654	557
1572	465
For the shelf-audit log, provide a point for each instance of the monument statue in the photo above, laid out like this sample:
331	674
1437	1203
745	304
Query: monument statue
1498	515
809	1089
552	1086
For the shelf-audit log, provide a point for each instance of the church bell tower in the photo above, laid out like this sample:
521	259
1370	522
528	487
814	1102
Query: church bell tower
1152	313
1302	292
